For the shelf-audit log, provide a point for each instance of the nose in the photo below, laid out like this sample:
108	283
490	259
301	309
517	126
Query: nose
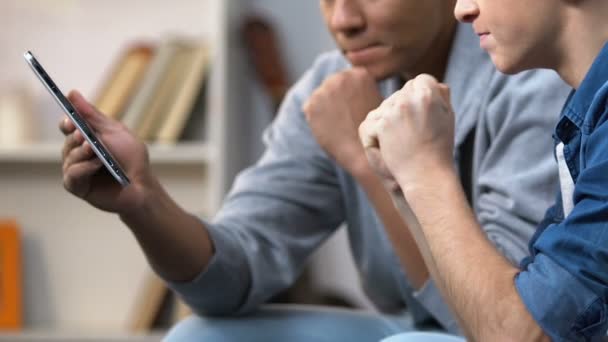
346	17
466	11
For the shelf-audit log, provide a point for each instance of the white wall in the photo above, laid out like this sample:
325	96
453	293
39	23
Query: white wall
77	41
68	283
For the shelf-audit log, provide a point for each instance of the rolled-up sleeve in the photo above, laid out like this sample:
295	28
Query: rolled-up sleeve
221	287
557	301
565	284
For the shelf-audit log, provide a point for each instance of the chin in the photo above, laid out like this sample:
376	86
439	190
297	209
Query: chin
507	66
381	72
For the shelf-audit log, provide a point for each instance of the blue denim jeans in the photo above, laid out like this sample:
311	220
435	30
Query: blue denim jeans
423	337
292	323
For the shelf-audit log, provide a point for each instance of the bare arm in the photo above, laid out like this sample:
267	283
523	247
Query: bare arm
176	243
476	279
412	131
399	234
334	112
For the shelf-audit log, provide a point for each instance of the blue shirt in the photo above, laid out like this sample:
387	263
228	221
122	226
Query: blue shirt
564	283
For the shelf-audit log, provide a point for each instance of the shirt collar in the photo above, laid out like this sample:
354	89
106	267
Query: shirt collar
579	102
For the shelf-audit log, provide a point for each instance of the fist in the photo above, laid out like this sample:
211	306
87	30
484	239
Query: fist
412	130
335	110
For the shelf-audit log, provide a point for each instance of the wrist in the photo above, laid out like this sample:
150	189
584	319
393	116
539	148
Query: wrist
360	169
426	177
148	195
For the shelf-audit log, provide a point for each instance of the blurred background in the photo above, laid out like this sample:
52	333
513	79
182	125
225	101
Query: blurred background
69	271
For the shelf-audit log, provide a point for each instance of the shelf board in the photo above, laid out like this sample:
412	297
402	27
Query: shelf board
50	153
64	336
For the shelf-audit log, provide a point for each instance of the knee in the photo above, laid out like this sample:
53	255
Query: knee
195	328
422	337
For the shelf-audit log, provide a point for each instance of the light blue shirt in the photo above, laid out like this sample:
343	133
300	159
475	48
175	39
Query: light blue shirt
282	208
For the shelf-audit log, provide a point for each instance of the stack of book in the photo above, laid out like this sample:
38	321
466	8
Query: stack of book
155	90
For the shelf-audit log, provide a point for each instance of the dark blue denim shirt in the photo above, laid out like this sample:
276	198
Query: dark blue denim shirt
564	283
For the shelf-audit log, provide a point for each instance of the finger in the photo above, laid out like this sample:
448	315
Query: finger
368	135
66	126
426	79
72	141
360	73
373	115
308	105
91	115
407	89
444	91
78	154
77	178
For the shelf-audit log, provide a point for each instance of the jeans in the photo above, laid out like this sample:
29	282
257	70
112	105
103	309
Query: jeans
293	323
423	337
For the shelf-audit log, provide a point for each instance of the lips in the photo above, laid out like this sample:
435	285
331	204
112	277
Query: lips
366	54
483	38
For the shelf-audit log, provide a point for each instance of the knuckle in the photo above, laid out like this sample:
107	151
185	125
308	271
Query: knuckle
426	78
68	183
359	73
120	126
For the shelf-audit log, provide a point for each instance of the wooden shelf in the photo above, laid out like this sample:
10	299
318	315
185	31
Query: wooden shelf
68	336
49	153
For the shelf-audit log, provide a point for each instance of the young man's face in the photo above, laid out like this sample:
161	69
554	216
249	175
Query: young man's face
387	37
518	34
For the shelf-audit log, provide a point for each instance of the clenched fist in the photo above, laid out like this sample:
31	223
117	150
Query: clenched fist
411	132
335	110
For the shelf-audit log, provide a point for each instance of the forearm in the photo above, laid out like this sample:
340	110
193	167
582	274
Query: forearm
476	280
398	232
176	244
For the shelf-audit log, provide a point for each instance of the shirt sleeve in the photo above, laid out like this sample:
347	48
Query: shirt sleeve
565	285
278	211
516	178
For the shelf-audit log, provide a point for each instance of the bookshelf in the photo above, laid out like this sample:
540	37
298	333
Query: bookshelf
49	153
82	268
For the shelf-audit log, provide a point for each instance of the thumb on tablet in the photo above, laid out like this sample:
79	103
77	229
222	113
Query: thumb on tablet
92	116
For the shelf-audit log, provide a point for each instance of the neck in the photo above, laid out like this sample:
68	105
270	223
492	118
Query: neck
585	37
435	62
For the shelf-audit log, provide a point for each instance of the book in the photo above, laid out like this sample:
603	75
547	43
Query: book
167	90
10	276
138	106
181	310
185	102
124	79
148	303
